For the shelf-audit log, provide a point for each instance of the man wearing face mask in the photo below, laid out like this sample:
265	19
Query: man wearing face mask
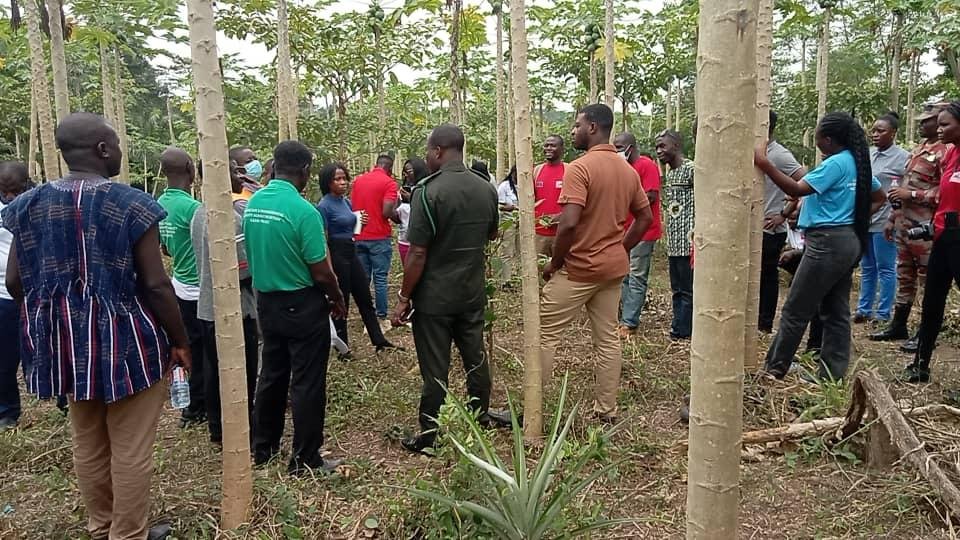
13	182
250	171
634	291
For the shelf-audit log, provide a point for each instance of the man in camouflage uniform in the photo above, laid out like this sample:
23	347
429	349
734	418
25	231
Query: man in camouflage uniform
917	194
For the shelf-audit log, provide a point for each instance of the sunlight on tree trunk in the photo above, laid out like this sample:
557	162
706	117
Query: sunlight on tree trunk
16	144
896	53
32	142
121	116
823	56
764	59
594	91
38	73
456	107
61	95
501	169
532	380
608	56
511	119
726	94
284	75
212	134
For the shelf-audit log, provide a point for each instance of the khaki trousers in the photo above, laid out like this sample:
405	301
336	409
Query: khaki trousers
560	305
113	458
544	245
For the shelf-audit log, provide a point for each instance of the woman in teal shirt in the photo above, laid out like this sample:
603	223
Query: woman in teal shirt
839	197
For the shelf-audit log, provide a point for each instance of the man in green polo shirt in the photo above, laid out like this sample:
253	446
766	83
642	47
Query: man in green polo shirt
453	214
297	293
176	242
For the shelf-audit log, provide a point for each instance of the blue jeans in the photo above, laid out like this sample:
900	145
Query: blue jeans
879	264
375	257
633	294
9	359
681	282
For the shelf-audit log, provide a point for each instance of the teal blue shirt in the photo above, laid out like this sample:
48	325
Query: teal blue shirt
832	203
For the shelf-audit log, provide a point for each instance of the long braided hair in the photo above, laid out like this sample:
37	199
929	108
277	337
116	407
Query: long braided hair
846	132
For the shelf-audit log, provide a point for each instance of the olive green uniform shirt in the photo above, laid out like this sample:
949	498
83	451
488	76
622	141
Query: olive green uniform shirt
284	235
453	213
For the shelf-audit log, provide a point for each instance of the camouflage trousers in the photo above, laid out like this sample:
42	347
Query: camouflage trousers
912	258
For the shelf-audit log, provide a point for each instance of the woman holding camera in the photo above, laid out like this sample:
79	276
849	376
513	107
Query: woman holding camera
944	265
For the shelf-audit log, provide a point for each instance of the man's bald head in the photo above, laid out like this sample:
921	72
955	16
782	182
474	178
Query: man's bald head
89	144
626	144
177	166
625	139
445	144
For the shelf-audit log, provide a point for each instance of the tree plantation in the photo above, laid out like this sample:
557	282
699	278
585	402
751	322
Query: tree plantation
518	269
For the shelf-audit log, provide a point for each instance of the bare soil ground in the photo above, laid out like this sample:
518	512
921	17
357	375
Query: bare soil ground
797	491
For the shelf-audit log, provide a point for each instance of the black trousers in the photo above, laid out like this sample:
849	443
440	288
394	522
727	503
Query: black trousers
433	336
296	347
943	270
198	407
354	282
770	279
681	282
211	375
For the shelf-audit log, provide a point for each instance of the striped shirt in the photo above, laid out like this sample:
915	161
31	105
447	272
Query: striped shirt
677	193
84	330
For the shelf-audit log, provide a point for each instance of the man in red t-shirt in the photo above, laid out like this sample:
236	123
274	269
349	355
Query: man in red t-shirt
634	291
376	194
548	181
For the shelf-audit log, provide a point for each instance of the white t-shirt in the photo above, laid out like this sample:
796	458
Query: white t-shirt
184	291
6	239
404	212
505	194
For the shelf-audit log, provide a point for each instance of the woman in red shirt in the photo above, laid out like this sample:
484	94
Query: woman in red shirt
944	266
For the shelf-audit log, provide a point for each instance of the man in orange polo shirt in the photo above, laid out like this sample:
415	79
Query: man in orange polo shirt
548	181
589	261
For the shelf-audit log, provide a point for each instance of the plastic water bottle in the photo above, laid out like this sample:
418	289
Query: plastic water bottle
895	183
179	390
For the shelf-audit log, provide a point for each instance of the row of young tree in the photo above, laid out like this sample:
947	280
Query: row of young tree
341	93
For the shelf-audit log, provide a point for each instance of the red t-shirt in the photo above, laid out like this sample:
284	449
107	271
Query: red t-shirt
547	186
949	189
650	181
370	191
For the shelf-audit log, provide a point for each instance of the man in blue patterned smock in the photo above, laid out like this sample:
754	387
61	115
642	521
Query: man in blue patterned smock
677	190
100	322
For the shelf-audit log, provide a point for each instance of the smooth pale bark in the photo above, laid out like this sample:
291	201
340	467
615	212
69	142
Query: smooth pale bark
764	57
895	61
121	117
594	91
668	107
284	74
532	380
726	97
106	86
676	108
38	74
381	90
456	106
61	94
32	141
501	169
823	57
803	61
911	91
609	60
511	119
173	137
212	134
16	144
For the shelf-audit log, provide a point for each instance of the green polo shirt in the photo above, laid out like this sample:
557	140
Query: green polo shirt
452	214
175	233
284	234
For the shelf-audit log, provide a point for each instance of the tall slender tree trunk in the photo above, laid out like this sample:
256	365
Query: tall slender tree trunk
625	112
764	59
342	126
511	118
726	97
895	60
173	137
803	61
293	104
16	144
532	381
594	91
284	74
823	57
38	73
911	91
212	134
501	168
609	62
106	85
121	116
456	107
61	94
381	92
668	107
676	108
32	141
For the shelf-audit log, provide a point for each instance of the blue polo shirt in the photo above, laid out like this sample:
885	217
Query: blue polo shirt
338	216
832	203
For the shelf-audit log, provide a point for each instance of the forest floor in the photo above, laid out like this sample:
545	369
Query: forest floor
802	490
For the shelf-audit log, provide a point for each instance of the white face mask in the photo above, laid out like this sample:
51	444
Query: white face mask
625	154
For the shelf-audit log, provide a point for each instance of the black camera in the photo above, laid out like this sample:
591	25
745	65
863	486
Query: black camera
923	231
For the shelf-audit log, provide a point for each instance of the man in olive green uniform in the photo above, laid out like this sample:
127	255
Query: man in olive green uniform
453	214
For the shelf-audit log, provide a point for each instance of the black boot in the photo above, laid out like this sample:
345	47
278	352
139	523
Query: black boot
911	345
897	329
918	371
